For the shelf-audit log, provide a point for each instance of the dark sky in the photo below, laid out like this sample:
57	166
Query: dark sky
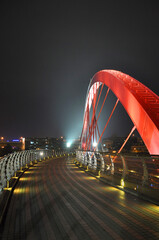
51	49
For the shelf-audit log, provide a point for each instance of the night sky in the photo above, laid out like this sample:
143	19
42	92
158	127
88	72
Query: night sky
50	50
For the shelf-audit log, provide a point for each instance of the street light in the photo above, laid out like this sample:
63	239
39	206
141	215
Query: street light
41	153
68	144
94	144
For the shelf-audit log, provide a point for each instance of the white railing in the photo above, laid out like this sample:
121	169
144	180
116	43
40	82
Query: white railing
13	162
141	170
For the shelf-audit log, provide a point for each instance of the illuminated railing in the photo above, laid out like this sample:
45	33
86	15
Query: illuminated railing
137	173
13	162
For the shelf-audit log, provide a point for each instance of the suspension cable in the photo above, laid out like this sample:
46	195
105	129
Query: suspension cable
132	130
88	143
107	123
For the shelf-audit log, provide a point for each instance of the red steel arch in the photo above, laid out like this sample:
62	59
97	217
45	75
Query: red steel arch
141	104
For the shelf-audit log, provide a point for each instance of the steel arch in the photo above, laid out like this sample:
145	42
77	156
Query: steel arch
141	104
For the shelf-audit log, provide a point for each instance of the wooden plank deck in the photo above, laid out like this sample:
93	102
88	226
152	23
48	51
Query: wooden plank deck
54	199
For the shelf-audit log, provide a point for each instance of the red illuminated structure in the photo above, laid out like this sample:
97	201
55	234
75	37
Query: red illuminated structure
141	104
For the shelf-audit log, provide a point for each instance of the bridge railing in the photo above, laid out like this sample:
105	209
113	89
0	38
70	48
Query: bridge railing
13	162
138	173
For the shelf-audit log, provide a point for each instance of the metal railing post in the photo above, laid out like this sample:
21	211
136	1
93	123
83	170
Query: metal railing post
145	173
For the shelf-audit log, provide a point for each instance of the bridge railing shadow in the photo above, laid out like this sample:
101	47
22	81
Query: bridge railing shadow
137	174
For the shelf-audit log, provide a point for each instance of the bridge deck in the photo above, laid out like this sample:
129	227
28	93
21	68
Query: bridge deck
55	200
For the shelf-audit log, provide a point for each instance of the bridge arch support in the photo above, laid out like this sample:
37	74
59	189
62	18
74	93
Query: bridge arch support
141	104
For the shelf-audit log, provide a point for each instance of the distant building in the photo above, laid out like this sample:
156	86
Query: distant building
45	143
112	144
134	145
16	144
107	145
139	149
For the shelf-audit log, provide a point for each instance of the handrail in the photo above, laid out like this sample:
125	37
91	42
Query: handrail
140	170
13	162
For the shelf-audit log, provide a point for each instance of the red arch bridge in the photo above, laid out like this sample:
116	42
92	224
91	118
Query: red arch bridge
141	104
59	196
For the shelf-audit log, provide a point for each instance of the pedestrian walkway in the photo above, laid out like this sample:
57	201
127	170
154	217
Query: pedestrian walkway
54	199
